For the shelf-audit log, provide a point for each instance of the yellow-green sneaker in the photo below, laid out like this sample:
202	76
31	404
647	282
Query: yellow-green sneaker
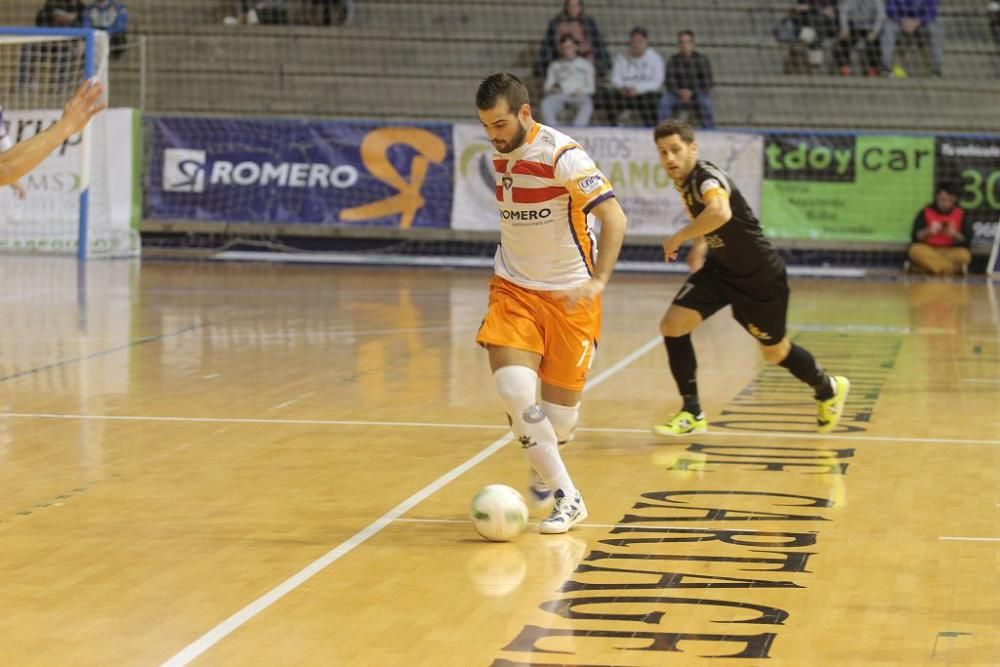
683	423
828	412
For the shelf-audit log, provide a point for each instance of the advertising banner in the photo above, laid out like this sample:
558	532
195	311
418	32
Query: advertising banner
973	165
627	156
845	187
43	214
364	174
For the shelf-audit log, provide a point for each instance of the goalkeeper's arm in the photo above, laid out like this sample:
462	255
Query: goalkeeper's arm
27	155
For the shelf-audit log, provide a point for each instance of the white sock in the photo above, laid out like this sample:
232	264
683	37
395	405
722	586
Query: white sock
518	386
564	419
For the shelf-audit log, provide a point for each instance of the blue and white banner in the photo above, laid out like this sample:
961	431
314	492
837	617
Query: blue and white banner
334	173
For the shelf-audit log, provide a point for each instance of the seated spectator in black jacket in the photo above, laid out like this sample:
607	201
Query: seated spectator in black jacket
590	45
942	235
689	82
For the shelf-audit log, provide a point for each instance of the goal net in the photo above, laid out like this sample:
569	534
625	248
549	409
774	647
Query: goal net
66	205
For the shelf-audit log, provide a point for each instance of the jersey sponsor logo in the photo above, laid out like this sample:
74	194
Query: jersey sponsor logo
511	214
591	184
710	184
714	241
757	333
187	170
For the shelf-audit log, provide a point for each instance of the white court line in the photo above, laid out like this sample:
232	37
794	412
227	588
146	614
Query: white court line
971	539
220	631
981	380
490	427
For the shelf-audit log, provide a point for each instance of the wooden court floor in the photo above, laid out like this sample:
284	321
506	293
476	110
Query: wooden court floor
223	464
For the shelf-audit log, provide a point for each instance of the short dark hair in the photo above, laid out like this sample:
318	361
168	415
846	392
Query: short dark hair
948	186
501	85
689	33
568	38
669	127
639	30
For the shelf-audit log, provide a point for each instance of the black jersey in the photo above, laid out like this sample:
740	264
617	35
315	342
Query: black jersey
737	249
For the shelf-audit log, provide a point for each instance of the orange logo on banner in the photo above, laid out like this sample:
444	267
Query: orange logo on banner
375	156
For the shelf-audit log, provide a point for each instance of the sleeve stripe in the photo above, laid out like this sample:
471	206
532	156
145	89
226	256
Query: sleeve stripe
562	151
590	205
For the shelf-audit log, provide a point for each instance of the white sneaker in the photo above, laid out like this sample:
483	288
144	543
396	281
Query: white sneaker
566	513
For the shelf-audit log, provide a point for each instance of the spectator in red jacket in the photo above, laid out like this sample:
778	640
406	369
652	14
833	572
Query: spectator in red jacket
942	235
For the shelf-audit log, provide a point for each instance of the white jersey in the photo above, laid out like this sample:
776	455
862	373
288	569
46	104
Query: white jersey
546	189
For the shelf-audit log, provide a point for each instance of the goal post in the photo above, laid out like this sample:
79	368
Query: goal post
65	205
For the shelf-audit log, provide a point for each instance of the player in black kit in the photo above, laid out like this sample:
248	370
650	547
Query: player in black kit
732	263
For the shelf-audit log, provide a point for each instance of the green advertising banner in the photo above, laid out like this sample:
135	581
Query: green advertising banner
844	187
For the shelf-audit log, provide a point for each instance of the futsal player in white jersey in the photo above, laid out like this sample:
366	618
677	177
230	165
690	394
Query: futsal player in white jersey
6	143
26	155
544	314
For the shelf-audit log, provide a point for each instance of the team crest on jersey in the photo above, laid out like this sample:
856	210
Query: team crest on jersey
508	181
757	333
591	183
714	241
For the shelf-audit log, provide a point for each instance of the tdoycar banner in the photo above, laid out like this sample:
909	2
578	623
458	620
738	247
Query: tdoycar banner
310	172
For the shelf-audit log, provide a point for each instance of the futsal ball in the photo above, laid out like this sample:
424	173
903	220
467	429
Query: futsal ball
498	513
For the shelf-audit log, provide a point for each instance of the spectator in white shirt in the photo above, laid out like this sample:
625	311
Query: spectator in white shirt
636	80
569	82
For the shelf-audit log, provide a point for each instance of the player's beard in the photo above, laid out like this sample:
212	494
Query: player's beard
516	142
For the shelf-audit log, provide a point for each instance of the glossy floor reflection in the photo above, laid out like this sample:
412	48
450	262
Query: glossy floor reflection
183	442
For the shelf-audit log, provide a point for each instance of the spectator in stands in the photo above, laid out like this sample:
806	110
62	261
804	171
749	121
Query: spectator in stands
53	14
636	80
252	12
689	82
569	82
942	235
112	17
332	12
993	9
912	17
860	19
242	13
817	24
590	44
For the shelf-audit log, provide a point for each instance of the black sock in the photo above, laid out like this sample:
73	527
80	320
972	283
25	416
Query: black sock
684	366
802	365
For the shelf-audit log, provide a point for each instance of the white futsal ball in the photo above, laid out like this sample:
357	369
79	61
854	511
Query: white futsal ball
498	513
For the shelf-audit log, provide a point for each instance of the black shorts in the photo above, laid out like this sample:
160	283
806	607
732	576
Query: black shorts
760	306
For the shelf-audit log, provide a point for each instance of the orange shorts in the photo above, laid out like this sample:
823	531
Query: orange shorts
526	319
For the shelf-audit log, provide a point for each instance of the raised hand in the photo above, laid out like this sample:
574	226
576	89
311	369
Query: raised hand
83	105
